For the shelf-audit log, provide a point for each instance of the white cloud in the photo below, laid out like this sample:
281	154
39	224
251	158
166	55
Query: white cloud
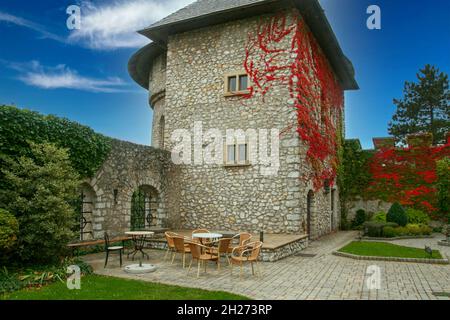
114	25
8	18
61	76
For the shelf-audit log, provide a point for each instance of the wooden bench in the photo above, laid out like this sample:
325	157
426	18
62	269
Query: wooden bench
76	245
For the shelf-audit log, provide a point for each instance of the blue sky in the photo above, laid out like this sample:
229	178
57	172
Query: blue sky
82	75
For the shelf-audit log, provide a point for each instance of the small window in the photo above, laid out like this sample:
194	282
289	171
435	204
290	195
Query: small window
232	84
237	154
243	82
236	83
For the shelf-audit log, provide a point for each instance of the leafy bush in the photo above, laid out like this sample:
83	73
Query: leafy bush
425	230
360	218
380	217
36	276
88	150
443	186
40	190
389	232
417	216
413	229
9	228
373	228
397	214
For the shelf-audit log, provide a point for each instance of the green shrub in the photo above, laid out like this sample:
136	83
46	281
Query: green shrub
401	231
40	190
360	218
417	216
425	230
413	229
88	149
9	228
397	214
389	232
443	187
380	217
373	228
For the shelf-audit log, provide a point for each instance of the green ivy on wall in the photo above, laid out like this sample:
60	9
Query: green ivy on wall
87	149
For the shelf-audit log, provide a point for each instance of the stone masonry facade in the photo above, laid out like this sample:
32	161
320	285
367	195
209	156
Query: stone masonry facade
186	86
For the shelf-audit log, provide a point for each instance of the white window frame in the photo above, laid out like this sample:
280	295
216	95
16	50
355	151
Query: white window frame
236	161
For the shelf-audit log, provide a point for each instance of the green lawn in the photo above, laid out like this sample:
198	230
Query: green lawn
94	287
382	249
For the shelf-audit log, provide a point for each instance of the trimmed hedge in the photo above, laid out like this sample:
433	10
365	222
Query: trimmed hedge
87	149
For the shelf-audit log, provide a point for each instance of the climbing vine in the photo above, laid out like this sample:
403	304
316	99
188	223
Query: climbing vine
284	52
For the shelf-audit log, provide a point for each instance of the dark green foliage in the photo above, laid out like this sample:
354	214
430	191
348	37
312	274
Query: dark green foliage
443	186
397	214
9	229
40	190
389	232
425	107
87	149
375	228
360	218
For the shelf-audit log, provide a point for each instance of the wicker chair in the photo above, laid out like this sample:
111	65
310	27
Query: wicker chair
242	237
200	253
170	245
181	248
246	254
222	249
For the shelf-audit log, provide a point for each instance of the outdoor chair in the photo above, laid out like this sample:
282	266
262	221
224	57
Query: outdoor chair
170	245
242	237
109	248
200	253
180	248
246	254
222	249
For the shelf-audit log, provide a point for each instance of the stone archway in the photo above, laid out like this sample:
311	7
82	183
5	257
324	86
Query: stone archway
309	212
145	206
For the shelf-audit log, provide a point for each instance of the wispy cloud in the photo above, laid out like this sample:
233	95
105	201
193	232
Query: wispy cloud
21	22
109	25
114	25
60	76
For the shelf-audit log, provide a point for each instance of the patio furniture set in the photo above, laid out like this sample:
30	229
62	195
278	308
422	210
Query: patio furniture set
203	247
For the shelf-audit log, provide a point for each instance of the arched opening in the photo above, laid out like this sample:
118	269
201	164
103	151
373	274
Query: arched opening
86	213
309	211
144	207
161	132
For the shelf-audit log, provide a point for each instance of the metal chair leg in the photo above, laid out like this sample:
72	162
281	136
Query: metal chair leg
198	268
120	255
106	259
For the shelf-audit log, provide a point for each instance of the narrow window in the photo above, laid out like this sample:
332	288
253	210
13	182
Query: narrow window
232	84
242	153
231	153
243	82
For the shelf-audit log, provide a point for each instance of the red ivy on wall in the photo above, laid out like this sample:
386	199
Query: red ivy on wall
407	175
287	54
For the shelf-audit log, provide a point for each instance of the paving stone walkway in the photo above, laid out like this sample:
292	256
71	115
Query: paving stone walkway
323	276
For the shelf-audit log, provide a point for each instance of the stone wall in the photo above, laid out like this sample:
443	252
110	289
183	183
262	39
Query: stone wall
373	206
236	198
127	167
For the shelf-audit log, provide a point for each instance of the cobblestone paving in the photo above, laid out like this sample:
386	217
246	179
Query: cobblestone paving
323	276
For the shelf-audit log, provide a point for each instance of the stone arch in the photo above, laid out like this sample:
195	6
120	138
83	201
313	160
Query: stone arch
88	200
310	211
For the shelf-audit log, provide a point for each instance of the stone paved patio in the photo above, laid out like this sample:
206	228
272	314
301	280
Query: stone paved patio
323	276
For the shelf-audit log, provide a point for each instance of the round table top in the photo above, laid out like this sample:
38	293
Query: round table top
139	233
207	235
